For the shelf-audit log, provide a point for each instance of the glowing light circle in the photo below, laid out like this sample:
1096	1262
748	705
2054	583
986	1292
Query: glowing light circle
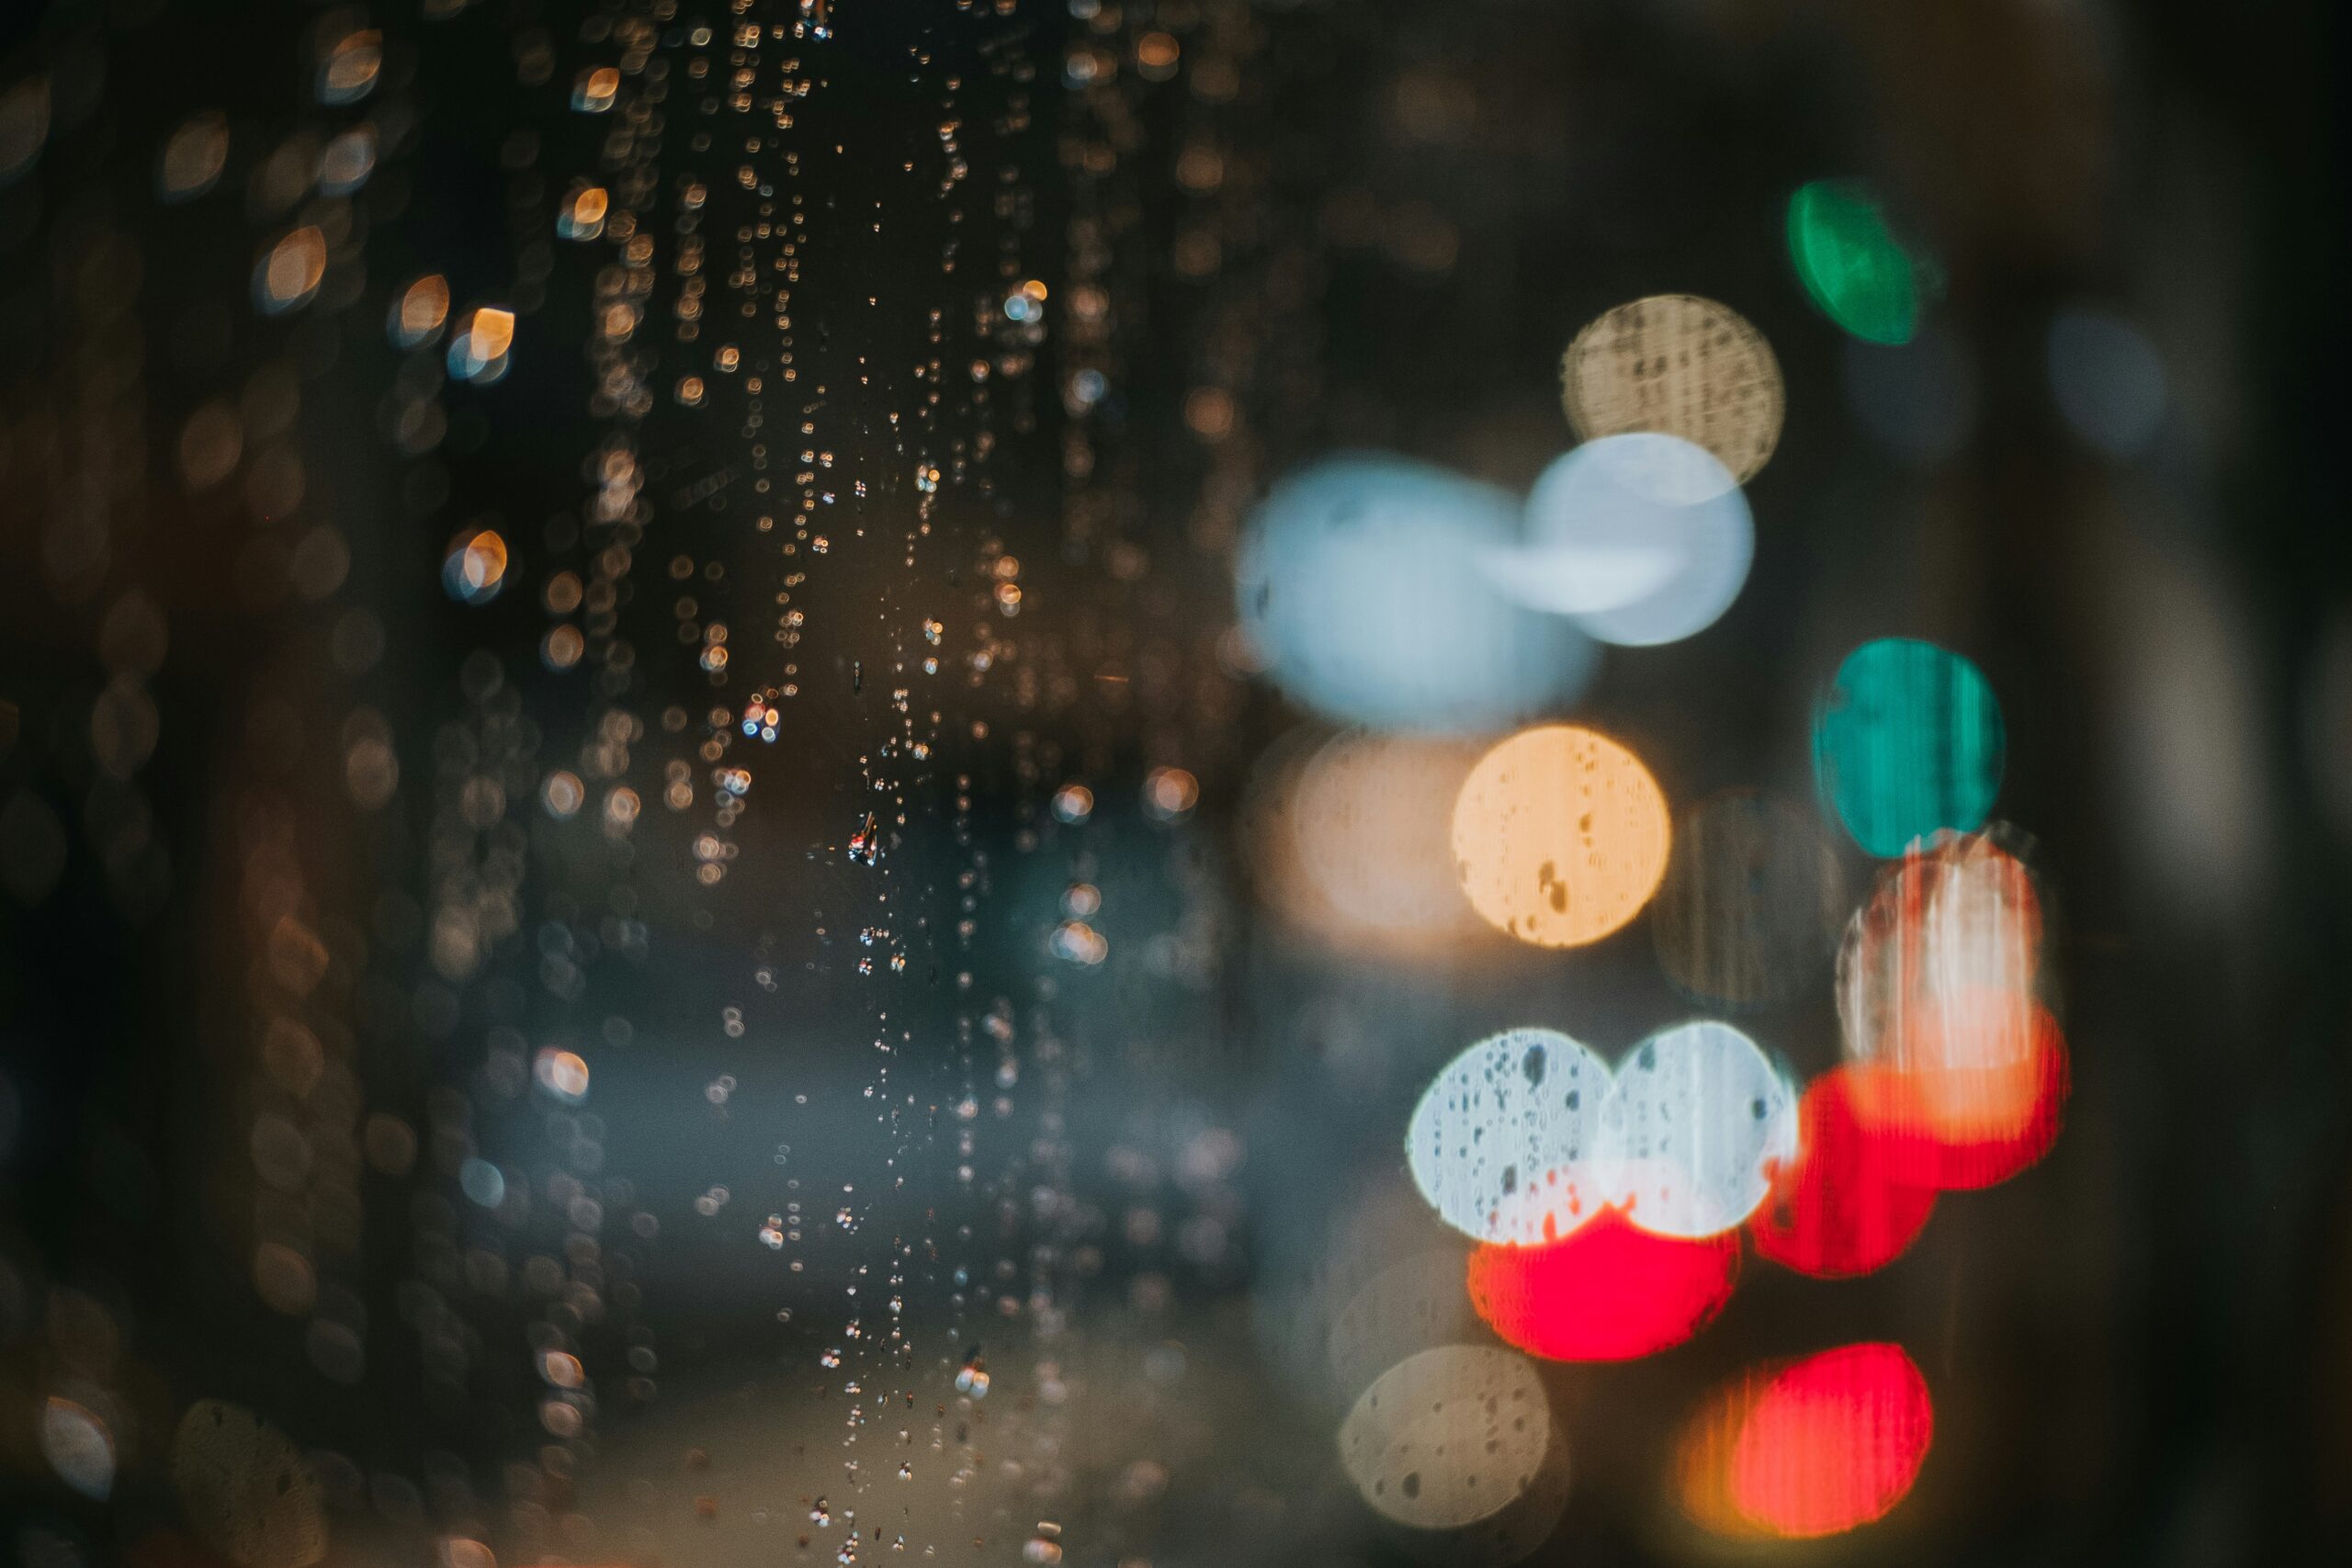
1643	539
1369	814
1845	1204
1682	366
1810	1448
1951	933
1560	836
1850	263
1358	583
2108	381
1961	1129
1833	1442
1610	1293
1448	1438
1504	1144
1907	741
1697	1119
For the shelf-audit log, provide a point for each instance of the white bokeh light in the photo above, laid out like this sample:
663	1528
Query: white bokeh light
1504	1144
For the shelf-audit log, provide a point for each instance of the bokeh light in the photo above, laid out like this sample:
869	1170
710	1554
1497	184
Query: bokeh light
1504	1144
475	568
79	1447
418	314
1643	538
247	1492
1368	843
1560	836
1449	1437
1962	1072
288	274
2108	380
1610	1293
1817	1447
1850	263
1752	904
1961	1128
1358	585
479	345
192	157
1844	1203
562	1073
1698	1118
1906	742
1680	365
1952	929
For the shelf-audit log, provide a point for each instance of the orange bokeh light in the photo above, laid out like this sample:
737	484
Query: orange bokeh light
1953	933
1954	1066
1560	836
1961	1127
1606	1292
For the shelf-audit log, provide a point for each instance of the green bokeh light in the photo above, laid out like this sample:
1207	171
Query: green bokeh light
1907	740
1851	264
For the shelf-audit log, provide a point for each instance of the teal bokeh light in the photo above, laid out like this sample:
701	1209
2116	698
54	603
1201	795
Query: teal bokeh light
1907	740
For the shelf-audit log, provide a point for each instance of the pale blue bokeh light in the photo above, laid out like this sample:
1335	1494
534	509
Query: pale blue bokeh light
1643	539
1359	585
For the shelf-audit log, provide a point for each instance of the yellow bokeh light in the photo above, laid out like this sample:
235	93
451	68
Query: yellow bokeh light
1560	836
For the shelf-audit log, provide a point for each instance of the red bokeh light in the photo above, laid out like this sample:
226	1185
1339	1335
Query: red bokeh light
1833	1441
1606	1293
1844	1206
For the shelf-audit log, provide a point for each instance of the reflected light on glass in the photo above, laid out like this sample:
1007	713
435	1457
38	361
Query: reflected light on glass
1560	836
1610	1293
1504	1143
1696	1122
1850	263
1358	585
1680	365
1643	539
1843	1205
1906	742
